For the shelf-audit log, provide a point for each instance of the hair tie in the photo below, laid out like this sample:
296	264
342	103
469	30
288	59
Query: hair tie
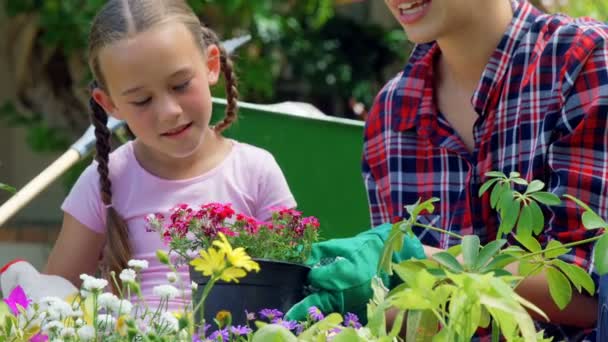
108	206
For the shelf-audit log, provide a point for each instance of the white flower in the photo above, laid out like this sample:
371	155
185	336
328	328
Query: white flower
107	301
165	291
56	308
79	321
123	307
92	284
86	332
138	265
172	277
128	275
169	322
77	313
194	286
52	325
68	332
106	322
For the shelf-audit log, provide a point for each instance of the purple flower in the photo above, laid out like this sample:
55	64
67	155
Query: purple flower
351	320
16	299
315	314
240	330
220	335
290	325
39	338
271	314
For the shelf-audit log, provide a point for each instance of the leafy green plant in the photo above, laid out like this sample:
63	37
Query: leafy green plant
7	188
474	279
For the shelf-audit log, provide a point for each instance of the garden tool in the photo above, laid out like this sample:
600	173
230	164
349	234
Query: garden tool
343	269
78	151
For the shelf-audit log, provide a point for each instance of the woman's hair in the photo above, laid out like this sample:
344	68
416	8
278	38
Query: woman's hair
117	20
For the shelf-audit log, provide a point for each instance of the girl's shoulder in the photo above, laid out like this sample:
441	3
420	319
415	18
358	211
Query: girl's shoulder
120	161
252	161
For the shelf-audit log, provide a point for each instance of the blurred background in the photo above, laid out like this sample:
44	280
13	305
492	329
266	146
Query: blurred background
333	54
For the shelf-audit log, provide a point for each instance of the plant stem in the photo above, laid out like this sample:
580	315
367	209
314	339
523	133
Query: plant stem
438	230
571	244
495	331
200	306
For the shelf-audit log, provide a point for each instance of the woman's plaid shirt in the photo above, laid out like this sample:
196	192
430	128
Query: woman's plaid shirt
543	111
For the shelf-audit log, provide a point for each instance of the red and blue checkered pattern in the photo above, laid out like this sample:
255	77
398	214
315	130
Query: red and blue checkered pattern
543	111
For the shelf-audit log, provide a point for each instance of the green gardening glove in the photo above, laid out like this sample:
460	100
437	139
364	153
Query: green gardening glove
342	271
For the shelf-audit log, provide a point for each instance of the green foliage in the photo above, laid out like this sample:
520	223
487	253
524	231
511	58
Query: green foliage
7	188
475	280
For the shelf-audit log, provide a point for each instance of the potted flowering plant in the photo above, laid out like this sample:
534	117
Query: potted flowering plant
280	248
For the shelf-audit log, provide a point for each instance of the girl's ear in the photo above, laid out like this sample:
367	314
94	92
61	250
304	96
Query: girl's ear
214	65
103	99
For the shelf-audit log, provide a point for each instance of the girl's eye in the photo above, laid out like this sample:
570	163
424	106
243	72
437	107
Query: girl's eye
142	103
182	86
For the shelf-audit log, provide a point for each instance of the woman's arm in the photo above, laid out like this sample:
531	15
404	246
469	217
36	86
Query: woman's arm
76	251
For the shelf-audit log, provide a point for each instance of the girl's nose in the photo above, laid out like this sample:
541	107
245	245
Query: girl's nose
169	108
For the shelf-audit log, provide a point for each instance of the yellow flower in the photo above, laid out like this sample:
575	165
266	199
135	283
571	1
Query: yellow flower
121	325
237	257
211	262
232	274
224	318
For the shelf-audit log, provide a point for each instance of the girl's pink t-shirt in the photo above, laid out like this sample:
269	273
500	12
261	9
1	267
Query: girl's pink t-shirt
249	178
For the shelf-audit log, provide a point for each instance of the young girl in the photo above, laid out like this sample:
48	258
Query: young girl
153	64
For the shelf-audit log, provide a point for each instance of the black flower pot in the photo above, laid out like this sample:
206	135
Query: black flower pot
278	285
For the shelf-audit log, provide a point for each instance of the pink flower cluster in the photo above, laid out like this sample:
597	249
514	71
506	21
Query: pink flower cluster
210	219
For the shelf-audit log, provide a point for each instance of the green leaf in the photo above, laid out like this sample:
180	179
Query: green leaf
427	205
407	271
484	318
274	333
487	186
559	287
497	192
488	252
519	181
524	225
508	217
7	188
529	242
546	198
455	250
470	250
328	323
577	276
495	174
527	268
591	220
397	324
348	335
560	249
505	200
535	186
421	325
499	262
394	238
538	218
448	261
514	174
600	254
